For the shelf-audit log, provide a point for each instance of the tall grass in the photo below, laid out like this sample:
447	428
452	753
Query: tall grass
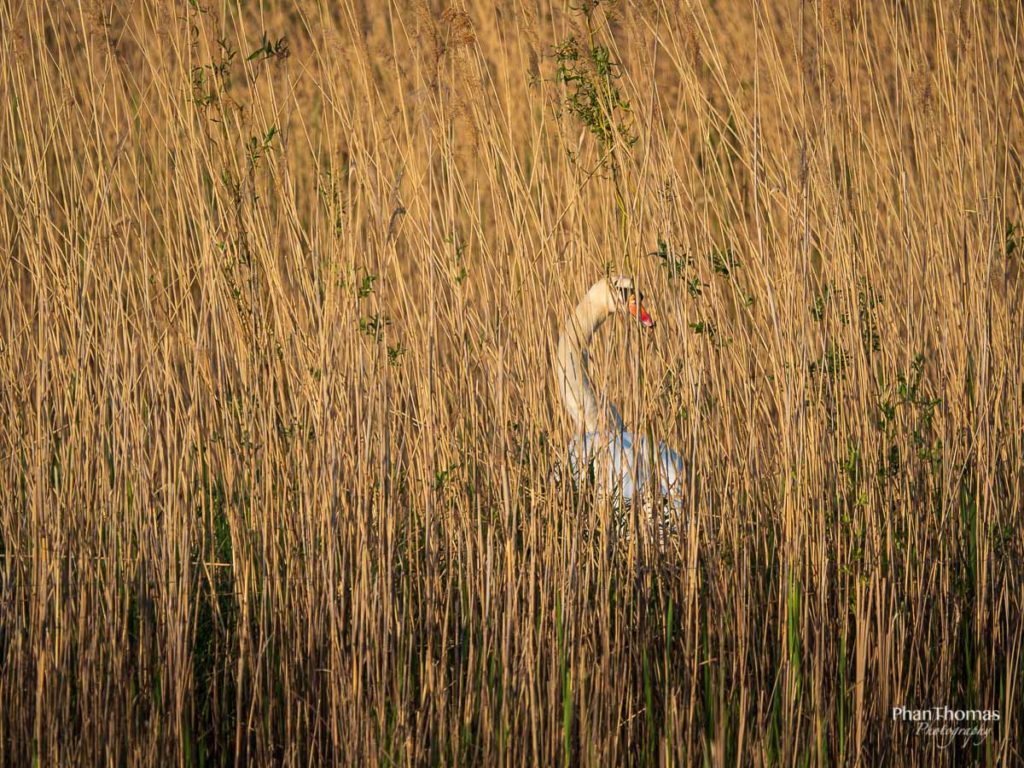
279	286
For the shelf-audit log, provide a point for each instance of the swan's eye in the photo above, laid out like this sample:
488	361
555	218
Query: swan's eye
626	292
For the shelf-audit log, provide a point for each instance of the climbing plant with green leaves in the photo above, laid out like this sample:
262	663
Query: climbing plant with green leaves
590	79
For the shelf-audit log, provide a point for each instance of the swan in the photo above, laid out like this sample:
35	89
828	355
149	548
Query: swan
624	466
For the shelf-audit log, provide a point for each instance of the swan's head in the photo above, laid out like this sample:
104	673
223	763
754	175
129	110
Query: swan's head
625	298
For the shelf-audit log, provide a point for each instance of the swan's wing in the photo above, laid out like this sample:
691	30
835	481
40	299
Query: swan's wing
610	458
623	465
671	476
661	469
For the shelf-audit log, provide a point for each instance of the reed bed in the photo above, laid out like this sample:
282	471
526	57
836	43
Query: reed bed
280	442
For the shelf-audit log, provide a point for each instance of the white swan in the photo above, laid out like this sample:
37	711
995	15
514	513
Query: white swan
623	465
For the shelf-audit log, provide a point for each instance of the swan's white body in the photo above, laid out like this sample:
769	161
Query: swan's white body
623	465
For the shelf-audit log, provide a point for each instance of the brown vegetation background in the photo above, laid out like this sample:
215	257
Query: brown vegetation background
279	285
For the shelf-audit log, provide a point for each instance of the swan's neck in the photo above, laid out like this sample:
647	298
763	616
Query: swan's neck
573	379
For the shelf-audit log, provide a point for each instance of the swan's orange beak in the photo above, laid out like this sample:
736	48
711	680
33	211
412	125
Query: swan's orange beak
640	313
